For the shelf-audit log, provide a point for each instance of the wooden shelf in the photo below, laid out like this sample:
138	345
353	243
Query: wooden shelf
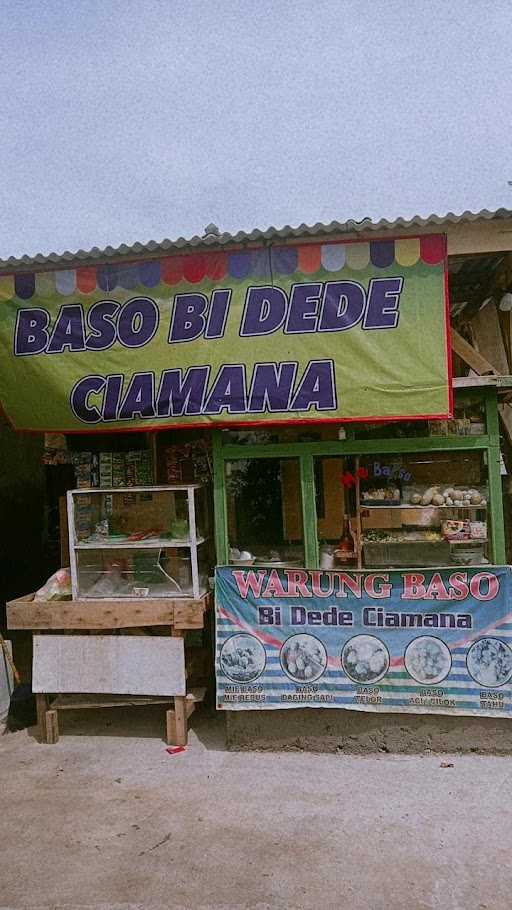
79	702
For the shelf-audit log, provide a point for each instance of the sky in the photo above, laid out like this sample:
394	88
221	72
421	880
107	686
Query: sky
137	120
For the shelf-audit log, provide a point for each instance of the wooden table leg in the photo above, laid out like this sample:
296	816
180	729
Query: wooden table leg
180	715
41	708
52	727
177	726
170	727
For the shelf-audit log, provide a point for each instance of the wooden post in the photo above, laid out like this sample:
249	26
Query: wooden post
177	728
52	726
180	714
170	727
41	708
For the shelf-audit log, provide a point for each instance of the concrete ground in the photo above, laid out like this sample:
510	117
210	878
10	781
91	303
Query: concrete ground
107	819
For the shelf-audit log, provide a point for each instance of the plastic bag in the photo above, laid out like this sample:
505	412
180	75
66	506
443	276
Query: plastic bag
58	587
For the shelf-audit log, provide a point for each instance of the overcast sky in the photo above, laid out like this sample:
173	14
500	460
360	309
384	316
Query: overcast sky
127	120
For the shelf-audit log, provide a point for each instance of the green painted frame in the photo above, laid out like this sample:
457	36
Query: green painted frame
305	452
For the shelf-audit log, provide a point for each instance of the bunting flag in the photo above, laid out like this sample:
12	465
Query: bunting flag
218	266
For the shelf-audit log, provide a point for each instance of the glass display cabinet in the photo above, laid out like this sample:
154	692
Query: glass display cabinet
365	496
427	509
138	542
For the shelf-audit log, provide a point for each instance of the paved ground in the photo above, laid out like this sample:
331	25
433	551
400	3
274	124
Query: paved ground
110	820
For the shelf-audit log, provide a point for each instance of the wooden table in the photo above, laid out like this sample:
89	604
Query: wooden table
93	616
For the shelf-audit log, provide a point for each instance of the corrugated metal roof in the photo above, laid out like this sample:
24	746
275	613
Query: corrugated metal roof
212	240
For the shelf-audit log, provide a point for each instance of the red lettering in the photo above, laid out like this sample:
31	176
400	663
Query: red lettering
246	580
297	583
436	589
316	584
459	589
348	581
274	588
379	590
493	585
414	586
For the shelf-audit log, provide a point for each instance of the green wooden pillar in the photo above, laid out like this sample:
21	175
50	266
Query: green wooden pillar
309	521
495	512
219	502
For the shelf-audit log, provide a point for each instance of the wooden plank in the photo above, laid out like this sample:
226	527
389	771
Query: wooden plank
74	702
505	413
189	616
190	707
506	327
120	664
26	613
52	727
473	382
488	337
196	694
472	358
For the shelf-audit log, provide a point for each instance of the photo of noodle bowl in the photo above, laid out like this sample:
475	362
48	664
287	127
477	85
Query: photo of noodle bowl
489	662
242	658
365	659
303	658
428	660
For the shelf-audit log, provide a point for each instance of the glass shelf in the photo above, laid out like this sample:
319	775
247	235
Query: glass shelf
410	505
157	544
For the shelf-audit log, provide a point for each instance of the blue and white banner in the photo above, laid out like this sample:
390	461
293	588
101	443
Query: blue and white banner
419	641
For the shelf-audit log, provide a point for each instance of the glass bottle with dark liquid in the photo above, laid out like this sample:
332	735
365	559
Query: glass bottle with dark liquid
346	550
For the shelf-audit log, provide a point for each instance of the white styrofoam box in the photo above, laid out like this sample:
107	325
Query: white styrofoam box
109	664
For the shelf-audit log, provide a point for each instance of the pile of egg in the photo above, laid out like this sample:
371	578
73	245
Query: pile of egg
448	497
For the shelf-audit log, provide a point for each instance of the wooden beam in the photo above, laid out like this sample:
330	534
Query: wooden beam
26	613
70	702
471	357
488	338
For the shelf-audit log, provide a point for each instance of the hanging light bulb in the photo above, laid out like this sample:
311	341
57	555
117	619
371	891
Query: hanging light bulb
506	302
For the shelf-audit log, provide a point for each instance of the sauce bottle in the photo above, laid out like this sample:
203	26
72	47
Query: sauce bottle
346	551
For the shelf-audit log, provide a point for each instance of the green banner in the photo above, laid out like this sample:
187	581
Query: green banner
316	332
